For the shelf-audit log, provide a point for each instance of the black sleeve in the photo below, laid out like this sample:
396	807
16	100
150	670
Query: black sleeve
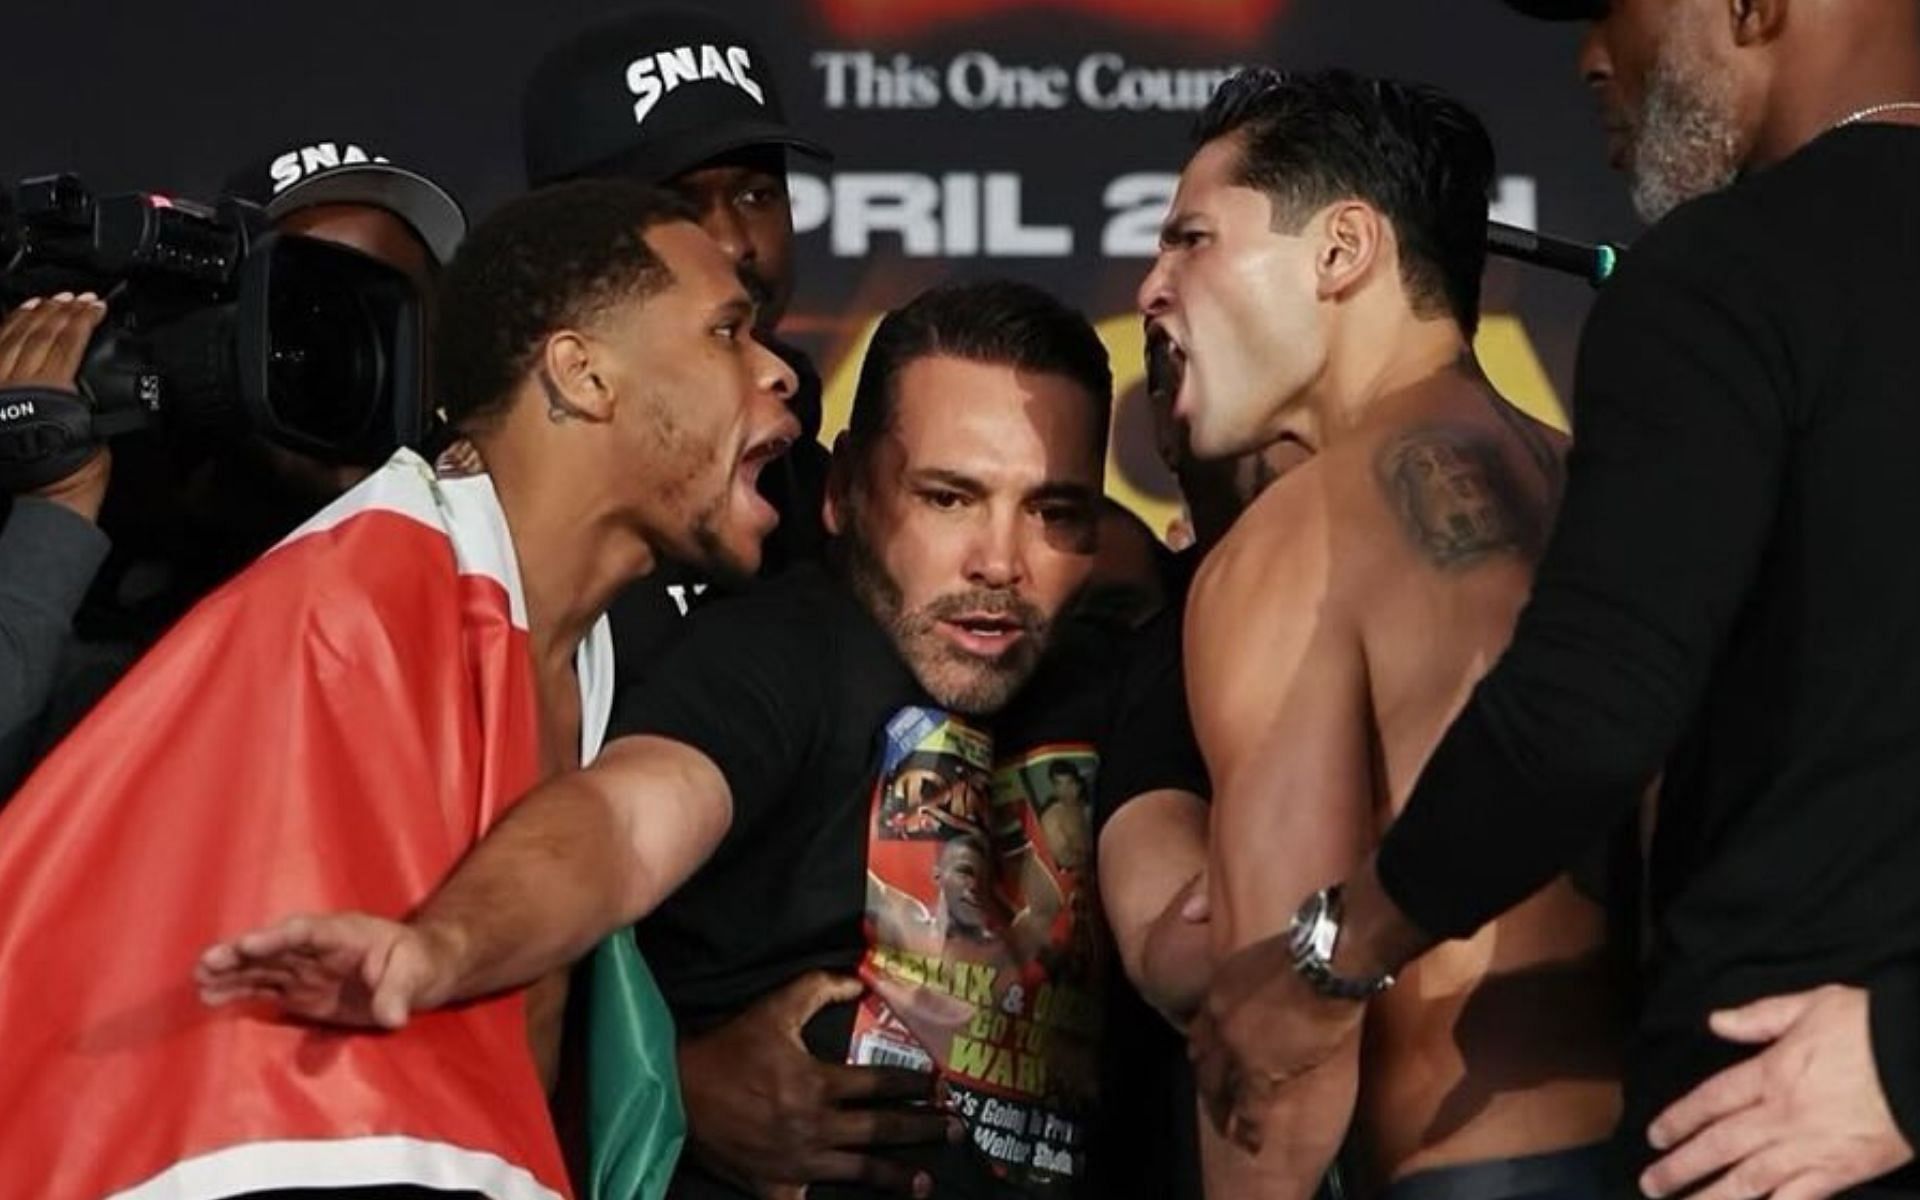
743	687
1151	746
1679	449
1893	1018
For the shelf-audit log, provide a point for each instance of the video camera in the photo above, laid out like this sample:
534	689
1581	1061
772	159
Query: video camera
216	327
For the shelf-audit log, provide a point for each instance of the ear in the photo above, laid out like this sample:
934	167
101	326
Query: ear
1353	239
836	510
572	380
1756	22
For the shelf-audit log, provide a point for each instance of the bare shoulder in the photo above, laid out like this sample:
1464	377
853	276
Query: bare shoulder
1280	537
1460	488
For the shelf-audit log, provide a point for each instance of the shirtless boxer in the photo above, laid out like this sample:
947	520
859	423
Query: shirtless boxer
1318	284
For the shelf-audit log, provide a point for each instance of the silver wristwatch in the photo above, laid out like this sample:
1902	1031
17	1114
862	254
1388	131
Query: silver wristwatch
1310	941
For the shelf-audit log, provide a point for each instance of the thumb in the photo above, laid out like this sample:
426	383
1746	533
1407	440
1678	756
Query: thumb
1763	1020
395	977
814	991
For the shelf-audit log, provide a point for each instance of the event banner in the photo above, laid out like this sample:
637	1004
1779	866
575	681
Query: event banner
1034	138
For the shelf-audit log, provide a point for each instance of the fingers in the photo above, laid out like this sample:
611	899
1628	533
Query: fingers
222	959
810	993
891	1127
1764	1020
868	1084
60	365
43	342
1752	1178
1210	1071
1808	1185
247	983
837	1166
1712	1150
1726	1093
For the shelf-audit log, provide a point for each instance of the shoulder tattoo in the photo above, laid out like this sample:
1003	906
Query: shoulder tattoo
1455	497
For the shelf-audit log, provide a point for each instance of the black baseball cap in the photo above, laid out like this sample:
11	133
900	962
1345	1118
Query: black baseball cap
1560	10
650	96
338	172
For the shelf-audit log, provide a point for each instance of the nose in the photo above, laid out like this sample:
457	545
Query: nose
772	376
1155	296
996	558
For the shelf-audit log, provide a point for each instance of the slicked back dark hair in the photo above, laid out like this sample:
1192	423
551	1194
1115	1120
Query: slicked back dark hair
552	259
997	321
1422	158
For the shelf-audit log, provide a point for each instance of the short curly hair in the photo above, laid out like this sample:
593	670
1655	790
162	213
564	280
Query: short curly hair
552	259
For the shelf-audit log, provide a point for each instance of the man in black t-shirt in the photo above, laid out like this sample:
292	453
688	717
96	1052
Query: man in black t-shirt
834	725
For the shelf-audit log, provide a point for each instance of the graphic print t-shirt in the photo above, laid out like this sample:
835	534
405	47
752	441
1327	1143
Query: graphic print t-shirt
945	859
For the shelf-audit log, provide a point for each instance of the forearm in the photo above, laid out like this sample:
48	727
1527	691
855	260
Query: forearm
1152	859
536	894
1173	966
583	855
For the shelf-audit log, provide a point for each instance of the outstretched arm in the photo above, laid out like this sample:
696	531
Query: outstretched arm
581	856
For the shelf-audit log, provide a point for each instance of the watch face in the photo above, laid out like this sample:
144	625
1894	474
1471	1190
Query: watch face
1306	920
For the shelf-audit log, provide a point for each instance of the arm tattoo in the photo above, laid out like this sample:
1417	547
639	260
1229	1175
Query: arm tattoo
1455	497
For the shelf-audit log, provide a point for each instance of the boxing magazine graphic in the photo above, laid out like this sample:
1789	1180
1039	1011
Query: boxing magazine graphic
983	941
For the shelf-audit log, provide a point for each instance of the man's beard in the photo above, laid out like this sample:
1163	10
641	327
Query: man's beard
965	683
1686	141
710	555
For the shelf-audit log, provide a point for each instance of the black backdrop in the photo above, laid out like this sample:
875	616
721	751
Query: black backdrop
1097	92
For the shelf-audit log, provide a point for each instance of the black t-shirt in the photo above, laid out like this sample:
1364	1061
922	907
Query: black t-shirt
1730	594
831	749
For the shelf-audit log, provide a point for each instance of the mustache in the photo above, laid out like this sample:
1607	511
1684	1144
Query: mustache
1163	368
989	603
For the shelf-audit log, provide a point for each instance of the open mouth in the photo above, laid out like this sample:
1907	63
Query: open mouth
1166	365
755	459
985	635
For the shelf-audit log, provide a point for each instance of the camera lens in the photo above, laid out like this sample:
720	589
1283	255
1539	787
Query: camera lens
326	362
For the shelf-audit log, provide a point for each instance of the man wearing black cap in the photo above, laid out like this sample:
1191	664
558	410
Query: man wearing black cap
1727	599
681	98
236	502
346	193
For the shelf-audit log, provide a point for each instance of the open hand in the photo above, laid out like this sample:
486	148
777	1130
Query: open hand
340	969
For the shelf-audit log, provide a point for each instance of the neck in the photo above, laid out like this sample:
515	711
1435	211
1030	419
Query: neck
575	549
1374	359
1878	64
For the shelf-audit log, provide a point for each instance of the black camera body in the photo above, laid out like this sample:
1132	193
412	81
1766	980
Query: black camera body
217	328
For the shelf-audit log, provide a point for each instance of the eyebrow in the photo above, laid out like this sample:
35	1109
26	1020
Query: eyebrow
1176	225
945	478
1059	489
734	308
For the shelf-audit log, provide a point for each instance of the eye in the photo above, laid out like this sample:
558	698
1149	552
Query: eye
1064	514
943	499
729	331
759	195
